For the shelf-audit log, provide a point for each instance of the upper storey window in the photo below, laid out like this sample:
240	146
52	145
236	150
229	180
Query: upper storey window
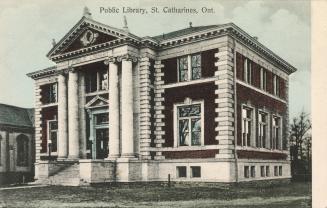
96	81
189	67
276	82
247	71
49	93
263	79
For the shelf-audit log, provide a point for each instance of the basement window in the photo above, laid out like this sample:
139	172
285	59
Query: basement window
195	172
181	171
262	171
246	172
252	171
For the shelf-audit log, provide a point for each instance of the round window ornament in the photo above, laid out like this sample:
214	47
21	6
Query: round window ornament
88	38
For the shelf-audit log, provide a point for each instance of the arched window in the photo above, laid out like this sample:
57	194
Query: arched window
22	150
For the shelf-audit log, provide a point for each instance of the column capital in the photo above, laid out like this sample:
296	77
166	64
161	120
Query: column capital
127	57
65	71
110	60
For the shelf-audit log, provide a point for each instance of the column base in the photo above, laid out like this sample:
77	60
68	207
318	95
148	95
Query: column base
128	155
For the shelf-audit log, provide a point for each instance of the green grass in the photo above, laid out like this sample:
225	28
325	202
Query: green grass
291	195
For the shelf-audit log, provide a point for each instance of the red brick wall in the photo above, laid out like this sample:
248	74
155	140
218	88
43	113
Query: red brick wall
204	92
245	154
208	63
170	70
240	66
47	114
190	154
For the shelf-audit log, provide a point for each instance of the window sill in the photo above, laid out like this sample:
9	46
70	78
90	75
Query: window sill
261	149
189	148
48	105
184	83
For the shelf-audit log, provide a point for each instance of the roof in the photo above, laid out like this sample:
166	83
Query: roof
171	39
16	116
182	32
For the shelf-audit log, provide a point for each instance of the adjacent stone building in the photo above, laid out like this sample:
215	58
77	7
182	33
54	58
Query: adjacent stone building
16	144
206	103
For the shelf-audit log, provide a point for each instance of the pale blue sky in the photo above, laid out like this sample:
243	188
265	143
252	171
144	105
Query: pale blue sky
27	28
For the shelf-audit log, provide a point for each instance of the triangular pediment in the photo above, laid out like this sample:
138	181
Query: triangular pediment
97	101
87	33
88	37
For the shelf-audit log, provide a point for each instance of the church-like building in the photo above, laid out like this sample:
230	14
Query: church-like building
204	103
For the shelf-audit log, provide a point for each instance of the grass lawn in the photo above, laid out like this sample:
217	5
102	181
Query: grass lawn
292	195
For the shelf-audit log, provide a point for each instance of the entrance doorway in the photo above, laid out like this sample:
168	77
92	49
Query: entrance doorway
102	138
99	133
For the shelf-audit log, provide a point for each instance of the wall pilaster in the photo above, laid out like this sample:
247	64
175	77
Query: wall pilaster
225	101
159	107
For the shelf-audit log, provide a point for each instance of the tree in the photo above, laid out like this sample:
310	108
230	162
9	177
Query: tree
300	145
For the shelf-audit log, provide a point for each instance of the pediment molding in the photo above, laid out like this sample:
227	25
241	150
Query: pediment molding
80	29
97	102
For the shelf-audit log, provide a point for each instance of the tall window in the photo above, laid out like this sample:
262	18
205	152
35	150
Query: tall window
275	133
276	82
22	150
262	130
189	125
96	81
183	68
49	93
246	126
189	67
263	79
52	135
247	71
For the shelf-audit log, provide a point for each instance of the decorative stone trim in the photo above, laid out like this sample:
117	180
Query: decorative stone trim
37	123
159	107
145	116
224	101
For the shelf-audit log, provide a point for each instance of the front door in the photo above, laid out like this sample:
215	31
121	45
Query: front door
102	138
99	134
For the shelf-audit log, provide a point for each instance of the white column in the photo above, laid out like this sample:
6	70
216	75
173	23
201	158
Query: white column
62	117
73	132
127	108
113	111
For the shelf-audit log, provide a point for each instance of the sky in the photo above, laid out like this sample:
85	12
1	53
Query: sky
28	27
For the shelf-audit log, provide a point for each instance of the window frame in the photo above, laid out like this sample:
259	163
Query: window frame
262	171
280	170
176	124
247	143
246	171
178	171
189	67
265	127
98	81
252	171
191	171
263	79
276	145
267	171
276	85
49	141
247	72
